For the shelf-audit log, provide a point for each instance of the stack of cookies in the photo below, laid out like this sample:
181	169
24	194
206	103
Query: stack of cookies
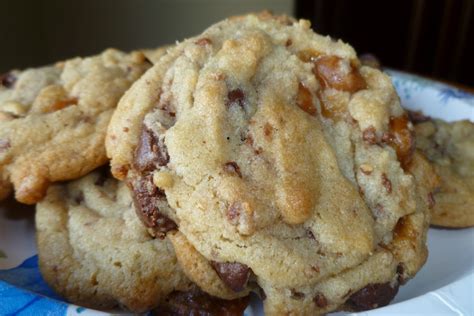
258	157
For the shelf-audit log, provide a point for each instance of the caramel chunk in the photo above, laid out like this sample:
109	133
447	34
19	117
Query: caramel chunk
304	100
235	275
331	74
401	139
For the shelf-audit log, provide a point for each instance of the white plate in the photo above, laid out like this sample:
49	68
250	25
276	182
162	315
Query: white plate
445	285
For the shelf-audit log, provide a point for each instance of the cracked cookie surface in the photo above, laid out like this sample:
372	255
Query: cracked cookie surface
53	119
94	251
450	147
284	162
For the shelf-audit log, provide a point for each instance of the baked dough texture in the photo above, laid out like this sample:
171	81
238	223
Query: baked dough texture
282	161
53	119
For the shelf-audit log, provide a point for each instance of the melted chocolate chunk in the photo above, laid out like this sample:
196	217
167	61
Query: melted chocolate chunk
198	303
236	96
7	80
235	275
320	300
372	296
151	152
417	117
146	197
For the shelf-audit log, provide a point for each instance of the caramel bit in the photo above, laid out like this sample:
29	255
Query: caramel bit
126	129
320	300
431	200
386	183
308	55
329	113
369	135
236	96
401	139
304	100
366	169
403	230
8	80
329	73
232	167
203	41
4	145
61	104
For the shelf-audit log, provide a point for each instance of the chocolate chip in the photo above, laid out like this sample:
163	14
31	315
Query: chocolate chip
8	80
297	295
431	200
233	168
203	41
417	117
4	145
310	234
104	174
370	60
386	183
288	42
147	197
198	303
401	274
320	300
369	135
79	198
235	275
236	96
372	296
151	152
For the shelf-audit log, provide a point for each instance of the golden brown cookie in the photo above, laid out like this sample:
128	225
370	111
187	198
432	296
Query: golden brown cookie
53	119
282	160
94	251
450	147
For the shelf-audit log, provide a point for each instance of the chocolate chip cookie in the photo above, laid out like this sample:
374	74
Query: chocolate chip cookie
450	147
283	161
53	119
94	251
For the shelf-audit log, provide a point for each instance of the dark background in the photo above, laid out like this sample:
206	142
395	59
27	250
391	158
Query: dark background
429	37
